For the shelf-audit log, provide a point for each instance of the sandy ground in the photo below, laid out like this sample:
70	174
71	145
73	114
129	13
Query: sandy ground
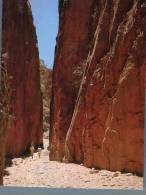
44	173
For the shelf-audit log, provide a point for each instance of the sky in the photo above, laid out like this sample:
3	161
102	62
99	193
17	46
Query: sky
45	14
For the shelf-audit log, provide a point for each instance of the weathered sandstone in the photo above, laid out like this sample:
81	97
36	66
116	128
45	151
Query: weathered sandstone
97	109
46	89
21	58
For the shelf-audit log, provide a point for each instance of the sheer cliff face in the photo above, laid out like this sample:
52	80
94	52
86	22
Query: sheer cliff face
97	110
20	56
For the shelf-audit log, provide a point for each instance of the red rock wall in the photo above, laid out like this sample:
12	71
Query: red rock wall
20	55
98	87
71	51
4	117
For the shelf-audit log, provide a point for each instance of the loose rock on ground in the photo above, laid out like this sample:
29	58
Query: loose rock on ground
41	172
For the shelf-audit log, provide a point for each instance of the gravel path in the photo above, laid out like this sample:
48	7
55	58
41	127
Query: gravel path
44	173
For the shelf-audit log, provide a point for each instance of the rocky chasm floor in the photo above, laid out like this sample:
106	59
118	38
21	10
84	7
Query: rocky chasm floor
41	172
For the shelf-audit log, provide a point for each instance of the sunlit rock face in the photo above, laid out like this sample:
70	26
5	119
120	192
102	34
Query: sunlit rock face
20	56
97	109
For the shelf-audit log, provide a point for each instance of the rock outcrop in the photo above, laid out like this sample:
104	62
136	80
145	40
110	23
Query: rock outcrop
21	58
97	108
46	89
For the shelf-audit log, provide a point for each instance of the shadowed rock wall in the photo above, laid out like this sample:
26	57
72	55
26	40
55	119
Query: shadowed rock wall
20	56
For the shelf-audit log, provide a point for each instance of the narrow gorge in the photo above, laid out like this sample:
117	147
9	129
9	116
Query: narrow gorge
96	90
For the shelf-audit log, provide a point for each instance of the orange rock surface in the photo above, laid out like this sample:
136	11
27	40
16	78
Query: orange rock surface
97	110
20	56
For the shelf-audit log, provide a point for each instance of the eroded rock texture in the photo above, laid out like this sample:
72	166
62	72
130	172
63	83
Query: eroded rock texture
46	89
3	126
98	86
20	56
